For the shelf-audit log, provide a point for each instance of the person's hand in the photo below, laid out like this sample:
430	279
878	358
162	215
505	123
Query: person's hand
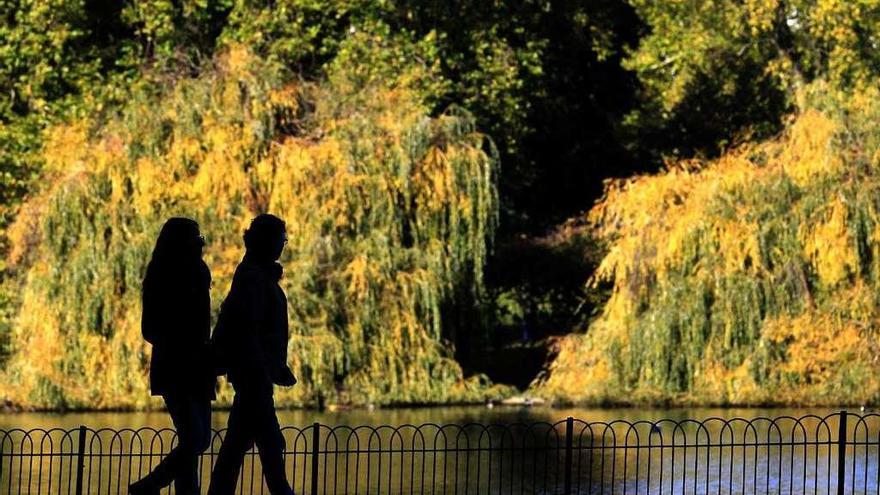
285	377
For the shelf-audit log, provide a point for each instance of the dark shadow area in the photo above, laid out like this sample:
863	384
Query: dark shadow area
537	293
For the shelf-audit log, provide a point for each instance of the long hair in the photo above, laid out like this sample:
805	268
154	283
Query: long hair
176	256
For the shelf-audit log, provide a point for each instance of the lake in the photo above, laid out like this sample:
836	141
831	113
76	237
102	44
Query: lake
723	455
398	416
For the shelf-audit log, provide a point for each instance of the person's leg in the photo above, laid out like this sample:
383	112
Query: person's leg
203	415
238	440
270	443
179	409
196	428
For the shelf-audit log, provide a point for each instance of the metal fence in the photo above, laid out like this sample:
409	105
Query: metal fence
837	453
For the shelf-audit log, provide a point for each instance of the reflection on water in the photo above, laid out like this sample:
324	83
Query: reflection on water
628	450
399	416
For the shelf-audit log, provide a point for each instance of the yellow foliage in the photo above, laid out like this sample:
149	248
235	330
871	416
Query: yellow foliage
808	152
747	279
66	148
387	209
815	345
829	245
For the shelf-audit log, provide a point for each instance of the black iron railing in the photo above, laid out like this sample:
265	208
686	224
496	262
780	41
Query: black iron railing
834	454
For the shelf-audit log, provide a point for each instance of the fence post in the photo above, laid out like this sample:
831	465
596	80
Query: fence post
841	453
315	440
569	434
80	459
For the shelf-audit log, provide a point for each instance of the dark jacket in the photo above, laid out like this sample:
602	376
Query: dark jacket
177	322
251	334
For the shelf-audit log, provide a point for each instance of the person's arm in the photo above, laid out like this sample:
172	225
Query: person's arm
283	375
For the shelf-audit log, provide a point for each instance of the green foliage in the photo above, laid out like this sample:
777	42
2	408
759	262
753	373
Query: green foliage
729	277
542	78
720	72
174	32
31	80
68	59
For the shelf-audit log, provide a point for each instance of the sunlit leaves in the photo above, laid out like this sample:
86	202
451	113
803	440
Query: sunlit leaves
748	279
388	210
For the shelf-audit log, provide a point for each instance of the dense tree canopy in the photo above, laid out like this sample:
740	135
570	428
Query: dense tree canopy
520	68
714	73
389	212
542	77
553	96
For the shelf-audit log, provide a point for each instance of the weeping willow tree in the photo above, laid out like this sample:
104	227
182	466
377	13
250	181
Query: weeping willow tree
750	279
389	214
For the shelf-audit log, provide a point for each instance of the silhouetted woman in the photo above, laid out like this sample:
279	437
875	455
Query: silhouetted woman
177	322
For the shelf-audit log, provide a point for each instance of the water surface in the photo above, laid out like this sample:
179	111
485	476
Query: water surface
607	453
399	416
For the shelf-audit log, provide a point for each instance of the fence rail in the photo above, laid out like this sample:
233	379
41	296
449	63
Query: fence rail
835	454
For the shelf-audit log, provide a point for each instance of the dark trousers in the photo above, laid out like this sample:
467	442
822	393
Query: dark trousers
192	419
251	420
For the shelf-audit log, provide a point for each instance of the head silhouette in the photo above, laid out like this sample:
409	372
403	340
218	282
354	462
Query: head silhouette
265	238
178	251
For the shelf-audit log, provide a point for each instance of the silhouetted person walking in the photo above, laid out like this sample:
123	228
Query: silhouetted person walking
177	322
250	343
